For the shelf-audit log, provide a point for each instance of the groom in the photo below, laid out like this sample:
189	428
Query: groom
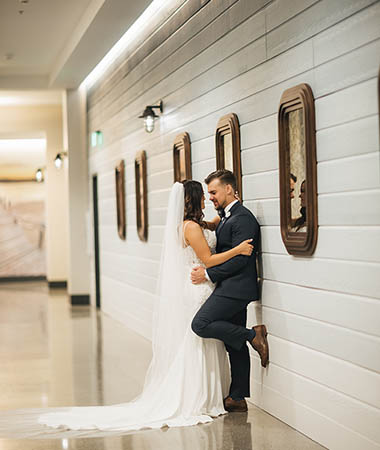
224	314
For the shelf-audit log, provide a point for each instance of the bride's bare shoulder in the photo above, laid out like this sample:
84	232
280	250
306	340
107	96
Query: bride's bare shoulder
192	231
191	225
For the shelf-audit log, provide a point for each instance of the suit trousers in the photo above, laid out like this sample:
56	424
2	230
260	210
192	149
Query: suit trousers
225	319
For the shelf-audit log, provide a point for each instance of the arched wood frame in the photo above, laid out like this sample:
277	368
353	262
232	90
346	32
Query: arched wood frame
293	99
120	199
182	157
229	124
141	196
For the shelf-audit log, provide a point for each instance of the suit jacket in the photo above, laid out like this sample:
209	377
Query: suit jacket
237	277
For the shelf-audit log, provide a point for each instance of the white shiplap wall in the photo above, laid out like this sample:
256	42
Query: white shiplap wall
322	312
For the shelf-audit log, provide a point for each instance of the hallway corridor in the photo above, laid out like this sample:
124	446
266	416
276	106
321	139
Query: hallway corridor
53	354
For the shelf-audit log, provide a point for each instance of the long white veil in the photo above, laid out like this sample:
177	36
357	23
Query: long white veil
168	325
168	332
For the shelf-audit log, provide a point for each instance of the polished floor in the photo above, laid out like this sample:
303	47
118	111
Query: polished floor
52	354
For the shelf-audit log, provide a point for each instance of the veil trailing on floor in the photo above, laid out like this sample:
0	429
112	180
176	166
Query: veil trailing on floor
167	397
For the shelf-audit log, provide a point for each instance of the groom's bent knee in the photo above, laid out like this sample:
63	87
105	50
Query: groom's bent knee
198	326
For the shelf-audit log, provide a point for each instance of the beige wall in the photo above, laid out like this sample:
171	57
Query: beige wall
22	192
322	312
47	120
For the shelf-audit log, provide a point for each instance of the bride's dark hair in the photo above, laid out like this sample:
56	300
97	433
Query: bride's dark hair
193	192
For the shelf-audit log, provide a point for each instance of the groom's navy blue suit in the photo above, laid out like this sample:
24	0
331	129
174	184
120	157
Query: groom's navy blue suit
224	314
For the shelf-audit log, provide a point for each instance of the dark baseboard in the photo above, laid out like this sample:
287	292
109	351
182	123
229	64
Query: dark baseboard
80	299
21	279
57	284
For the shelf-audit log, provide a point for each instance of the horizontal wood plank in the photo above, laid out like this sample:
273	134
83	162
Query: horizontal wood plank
318	427
349	174
349	277
310	22
347	35
343	377
326	402
334	242
360	313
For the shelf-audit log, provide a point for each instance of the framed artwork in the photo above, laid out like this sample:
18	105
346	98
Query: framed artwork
182	157
227	142
298	170
120	199
141	196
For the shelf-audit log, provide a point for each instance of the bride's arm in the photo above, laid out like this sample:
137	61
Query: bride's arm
212	224
195	238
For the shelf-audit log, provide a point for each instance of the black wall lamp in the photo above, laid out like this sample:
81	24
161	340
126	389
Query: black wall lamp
59	159
150	116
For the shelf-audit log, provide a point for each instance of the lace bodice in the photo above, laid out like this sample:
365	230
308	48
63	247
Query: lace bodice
200	292
191	259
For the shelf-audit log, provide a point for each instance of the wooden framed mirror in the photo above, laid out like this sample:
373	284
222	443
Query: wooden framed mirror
298	170
120	199
141	195
182	157
227	142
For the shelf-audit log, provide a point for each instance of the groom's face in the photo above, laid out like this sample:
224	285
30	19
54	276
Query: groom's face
218	193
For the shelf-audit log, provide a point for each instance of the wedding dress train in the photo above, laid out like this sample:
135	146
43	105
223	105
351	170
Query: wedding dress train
189	376
190	392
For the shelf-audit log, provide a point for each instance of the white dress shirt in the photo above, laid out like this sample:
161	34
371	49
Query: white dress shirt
228	207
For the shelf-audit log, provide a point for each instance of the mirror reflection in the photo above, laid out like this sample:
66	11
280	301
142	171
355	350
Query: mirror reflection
141	196
228	152
120	200
141	188
182	164
182	157
297	176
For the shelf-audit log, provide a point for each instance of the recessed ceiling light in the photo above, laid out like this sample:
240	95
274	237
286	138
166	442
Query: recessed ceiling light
22	144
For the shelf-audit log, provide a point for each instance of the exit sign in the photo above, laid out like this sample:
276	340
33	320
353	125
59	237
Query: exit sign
96	138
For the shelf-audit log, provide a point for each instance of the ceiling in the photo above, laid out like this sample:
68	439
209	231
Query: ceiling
48	97
47	46
21	157
56	43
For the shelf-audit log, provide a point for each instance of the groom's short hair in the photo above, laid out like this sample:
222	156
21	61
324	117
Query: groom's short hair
224	176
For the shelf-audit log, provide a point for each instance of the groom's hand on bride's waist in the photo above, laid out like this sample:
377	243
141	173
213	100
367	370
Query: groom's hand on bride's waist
198	275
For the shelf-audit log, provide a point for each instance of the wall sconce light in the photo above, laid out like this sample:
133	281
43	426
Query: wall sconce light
59	159
150	116
39	175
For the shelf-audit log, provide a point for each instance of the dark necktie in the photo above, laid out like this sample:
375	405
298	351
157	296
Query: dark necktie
222	214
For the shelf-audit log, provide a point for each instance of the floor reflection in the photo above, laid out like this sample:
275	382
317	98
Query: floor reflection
254	430
230	432
53	354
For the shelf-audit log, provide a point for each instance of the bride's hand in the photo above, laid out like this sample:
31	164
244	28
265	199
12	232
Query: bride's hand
245	247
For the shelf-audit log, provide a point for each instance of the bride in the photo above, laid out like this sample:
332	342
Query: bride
188	376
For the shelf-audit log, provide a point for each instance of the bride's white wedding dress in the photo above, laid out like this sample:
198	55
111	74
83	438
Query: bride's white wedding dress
189	390
188	376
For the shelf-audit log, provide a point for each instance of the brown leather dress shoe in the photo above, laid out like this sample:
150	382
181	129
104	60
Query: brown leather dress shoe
260	343
231	405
